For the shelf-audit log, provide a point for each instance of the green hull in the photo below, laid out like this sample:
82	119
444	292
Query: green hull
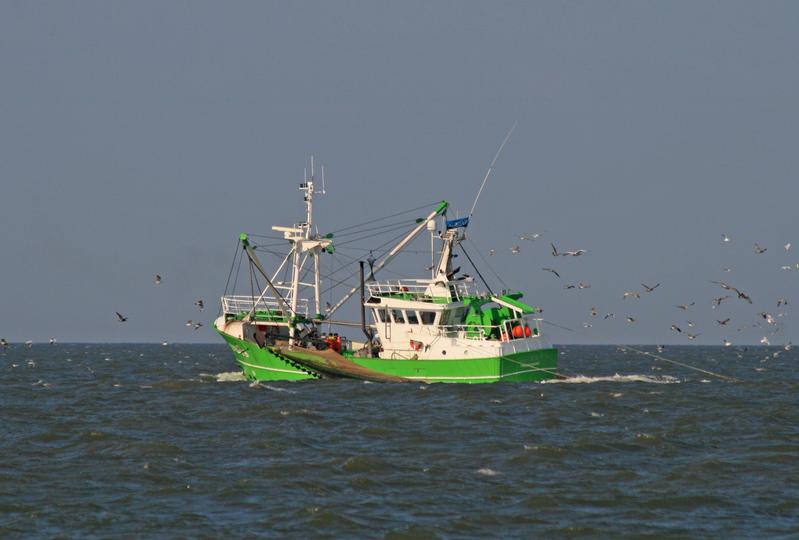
264	365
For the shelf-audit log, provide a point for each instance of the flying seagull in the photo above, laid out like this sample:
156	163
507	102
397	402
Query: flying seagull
515	250
725	238
727	343
583	285
492	252
200	304
647	288
692	336
787	246
197	325
630	320
569	286
157	279
717	301
551	270
685	307
782	302
759	249
724	322
609	316
676	328
594	312
3	342
120	317
634	294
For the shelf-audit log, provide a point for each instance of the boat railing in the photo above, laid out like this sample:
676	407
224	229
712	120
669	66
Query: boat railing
420	290
502	332
237	304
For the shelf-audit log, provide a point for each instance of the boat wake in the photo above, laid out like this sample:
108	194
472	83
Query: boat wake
577	379
230	376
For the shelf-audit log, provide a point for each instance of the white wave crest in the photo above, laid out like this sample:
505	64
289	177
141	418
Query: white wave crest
661	379
230	376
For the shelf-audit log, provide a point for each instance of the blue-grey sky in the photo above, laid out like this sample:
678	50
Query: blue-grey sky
141	137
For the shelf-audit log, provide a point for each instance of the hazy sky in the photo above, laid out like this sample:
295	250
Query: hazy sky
141	137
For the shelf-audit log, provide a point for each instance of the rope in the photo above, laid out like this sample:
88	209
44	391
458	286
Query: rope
714	374
480	254
382	218
476	270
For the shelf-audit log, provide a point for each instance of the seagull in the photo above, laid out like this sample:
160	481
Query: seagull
764	340
787	246
569	286
198	325
164	343
120	317
52	341
575	253
782	302
725	238
685	307
635	294
788	346
530	237
661	348
189	322
515	250
551	270
787	267
768	317
594	312
328	307
29	343
157	279
3	342
583	285
676	328
200	304
727	269
759	250
586	325
724	322
554	250
692	336
609	316
492	252
719	300
631	320
647	288
690	324
722	285
727	343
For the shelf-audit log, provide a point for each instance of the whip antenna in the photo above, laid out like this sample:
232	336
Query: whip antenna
490	167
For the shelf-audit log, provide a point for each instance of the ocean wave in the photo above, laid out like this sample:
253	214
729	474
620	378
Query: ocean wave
661	379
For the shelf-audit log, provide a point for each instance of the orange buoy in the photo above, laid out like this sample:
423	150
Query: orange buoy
527	331
518	332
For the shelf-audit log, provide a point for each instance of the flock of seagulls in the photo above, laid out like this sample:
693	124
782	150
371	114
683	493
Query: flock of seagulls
121	318
768	321
199	304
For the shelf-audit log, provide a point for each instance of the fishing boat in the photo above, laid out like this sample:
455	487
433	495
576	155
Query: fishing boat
441	328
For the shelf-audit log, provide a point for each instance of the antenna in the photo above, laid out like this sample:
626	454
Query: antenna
490	167
323	179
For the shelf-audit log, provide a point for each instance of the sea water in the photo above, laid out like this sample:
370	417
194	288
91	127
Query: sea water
171	441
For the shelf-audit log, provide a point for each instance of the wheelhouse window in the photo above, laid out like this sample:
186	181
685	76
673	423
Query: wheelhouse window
428	317
381	315
398	316
412	318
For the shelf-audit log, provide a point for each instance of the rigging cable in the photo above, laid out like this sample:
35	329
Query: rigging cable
475	269
385	217
496	275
